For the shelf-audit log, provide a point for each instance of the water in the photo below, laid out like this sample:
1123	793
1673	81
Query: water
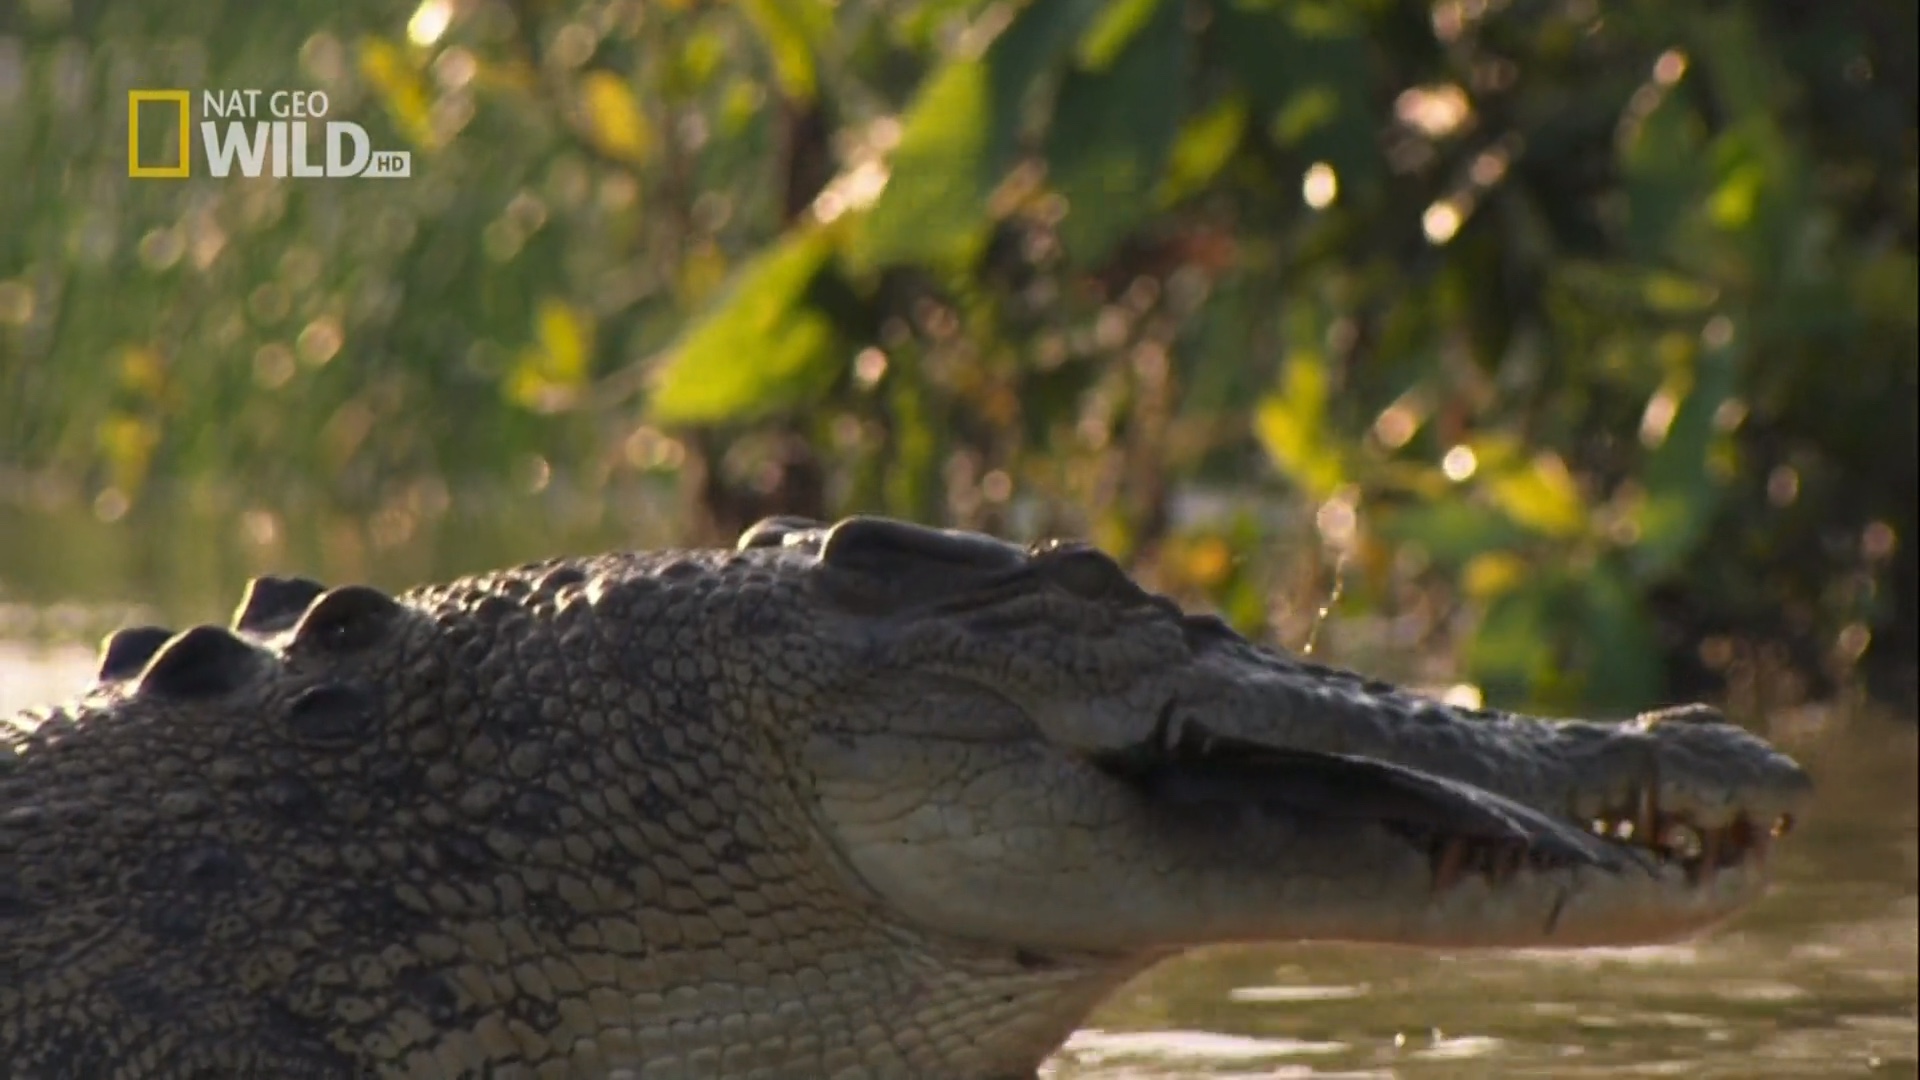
1819	980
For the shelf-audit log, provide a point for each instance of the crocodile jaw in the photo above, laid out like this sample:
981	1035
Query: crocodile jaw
1019	847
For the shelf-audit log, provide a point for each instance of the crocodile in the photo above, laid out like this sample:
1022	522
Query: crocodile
859	799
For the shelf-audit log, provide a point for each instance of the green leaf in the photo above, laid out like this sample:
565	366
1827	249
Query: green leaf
1206	144
1663	171
1677	294
1542	496
1616	648
1451	531
401	87
615	122
1681	493
1292	425
1493	574
1034	46
1119	23
1734	202
1305	65
1512	650
934	207
554	368
763	346
1112	133
959	139
792	31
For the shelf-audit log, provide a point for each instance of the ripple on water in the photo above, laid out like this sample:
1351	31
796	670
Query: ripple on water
1094	1043
1296	993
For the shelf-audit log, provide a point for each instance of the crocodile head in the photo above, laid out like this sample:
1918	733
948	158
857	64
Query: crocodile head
1026	748
867	799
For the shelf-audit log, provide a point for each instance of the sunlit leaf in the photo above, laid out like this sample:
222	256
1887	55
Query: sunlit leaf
1542	496
1203	561
1493	574
615	122
1306	112
760	347
1111	30
401	87
552	370
1292	425
1496	451
1678	295
143	371
933	208
740	106
127	443
565	341
792	31
1733	202
700	57
1205	145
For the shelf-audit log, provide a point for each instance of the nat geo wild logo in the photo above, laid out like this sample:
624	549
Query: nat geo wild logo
252	133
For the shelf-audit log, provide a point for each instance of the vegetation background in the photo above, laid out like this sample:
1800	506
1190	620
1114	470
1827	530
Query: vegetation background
1565	347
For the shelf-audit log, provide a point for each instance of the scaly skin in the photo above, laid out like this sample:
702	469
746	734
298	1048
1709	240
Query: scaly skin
861	801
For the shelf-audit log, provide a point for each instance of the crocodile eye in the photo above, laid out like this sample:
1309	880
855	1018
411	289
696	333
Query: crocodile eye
1088	573
884	546
776	531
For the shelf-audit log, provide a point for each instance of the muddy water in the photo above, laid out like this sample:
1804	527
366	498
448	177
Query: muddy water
1817	981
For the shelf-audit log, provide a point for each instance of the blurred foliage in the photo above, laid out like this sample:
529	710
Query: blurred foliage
1578	336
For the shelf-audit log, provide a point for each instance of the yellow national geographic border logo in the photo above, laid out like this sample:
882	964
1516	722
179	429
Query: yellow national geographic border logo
179	99
255	133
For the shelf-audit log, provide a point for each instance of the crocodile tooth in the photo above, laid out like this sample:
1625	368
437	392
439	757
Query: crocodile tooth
1506	863
1683	838
1647	818
1449	858
1739	837
1707	864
